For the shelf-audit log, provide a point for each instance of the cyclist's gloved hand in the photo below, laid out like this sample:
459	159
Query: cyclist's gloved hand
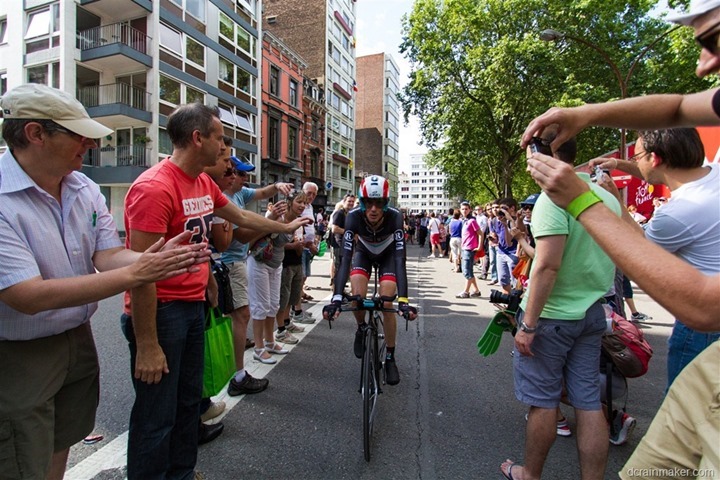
408	312
331	311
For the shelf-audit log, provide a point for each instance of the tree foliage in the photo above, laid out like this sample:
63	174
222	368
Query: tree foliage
480	73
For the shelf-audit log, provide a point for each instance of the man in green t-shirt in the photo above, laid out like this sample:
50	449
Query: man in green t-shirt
560	325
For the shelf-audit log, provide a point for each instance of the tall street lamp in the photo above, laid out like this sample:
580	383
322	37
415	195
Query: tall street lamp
550	35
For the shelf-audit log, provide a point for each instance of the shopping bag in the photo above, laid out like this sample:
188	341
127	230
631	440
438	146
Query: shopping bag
322	248
219	352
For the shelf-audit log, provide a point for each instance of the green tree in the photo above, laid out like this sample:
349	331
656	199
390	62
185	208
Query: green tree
480	73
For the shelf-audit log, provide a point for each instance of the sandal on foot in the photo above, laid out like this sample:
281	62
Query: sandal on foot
507	472
275	348
258	355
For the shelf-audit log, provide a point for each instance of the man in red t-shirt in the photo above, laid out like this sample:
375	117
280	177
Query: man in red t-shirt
164	321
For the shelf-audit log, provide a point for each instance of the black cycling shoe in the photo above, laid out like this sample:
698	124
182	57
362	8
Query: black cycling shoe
359	338
392	376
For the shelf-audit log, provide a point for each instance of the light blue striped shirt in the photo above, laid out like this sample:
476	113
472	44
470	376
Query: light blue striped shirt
40	237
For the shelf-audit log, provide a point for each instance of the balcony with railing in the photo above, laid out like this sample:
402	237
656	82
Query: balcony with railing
117	8
117	47
129	161
117	100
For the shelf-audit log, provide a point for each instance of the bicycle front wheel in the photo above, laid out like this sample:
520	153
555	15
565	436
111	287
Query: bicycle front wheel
369	390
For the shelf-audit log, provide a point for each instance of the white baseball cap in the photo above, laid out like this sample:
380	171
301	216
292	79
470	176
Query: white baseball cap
697	8
35	101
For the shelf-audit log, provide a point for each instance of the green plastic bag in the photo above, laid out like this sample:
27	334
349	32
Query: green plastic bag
322	248
219	352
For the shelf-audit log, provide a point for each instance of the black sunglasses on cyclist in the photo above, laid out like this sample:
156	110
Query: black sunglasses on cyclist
375	202
229	172
710	39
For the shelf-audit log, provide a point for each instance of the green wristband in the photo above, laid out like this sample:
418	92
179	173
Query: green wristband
582	202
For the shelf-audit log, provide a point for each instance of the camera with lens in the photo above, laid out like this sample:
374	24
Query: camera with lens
597	173
512	299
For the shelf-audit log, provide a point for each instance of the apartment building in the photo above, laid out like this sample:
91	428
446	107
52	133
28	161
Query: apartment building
322	33
423	189
282	112
131	62
377	119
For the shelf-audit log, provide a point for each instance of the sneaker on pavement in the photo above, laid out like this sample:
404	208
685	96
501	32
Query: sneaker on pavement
392	376
462	295
563	429
639	317
294	328
494	282
248	385
286	337
359	338
623	430
215	409
304	317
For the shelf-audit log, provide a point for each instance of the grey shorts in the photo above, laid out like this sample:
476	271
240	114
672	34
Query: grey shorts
290	285
565	351
239	284
49	390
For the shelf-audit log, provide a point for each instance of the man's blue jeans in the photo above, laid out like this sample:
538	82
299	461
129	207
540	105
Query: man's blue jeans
163	433
684	345
492	254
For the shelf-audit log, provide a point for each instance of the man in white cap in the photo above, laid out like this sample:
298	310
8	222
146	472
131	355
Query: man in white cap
55	231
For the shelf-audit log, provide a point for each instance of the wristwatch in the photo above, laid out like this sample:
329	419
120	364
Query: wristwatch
525	328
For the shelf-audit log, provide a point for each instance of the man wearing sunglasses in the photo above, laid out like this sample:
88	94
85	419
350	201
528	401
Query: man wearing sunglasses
374	235
689	226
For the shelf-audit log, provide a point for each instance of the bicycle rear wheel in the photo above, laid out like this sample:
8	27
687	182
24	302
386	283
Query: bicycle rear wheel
370	389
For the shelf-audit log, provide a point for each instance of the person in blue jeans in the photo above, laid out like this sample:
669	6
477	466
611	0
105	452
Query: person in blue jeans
507	245
688	225
164	321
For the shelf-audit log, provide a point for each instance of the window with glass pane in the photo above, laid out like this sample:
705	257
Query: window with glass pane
274	137
196	8
3	31
292	141
227	27
226	115
38	74
315	128
226	70
245	81
244	40
293	93
170	39
164	143
242	120
38	24
192	95
169	90
274	81
194	52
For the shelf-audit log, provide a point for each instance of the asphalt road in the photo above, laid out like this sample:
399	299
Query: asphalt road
453	415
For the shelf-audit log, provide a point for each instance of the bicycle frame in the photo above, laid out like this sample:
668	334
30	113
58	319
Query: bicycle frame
372	372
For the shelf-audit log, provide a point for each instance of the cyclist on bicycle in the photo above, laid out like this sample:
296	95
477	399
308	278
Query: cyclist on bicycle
376	232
